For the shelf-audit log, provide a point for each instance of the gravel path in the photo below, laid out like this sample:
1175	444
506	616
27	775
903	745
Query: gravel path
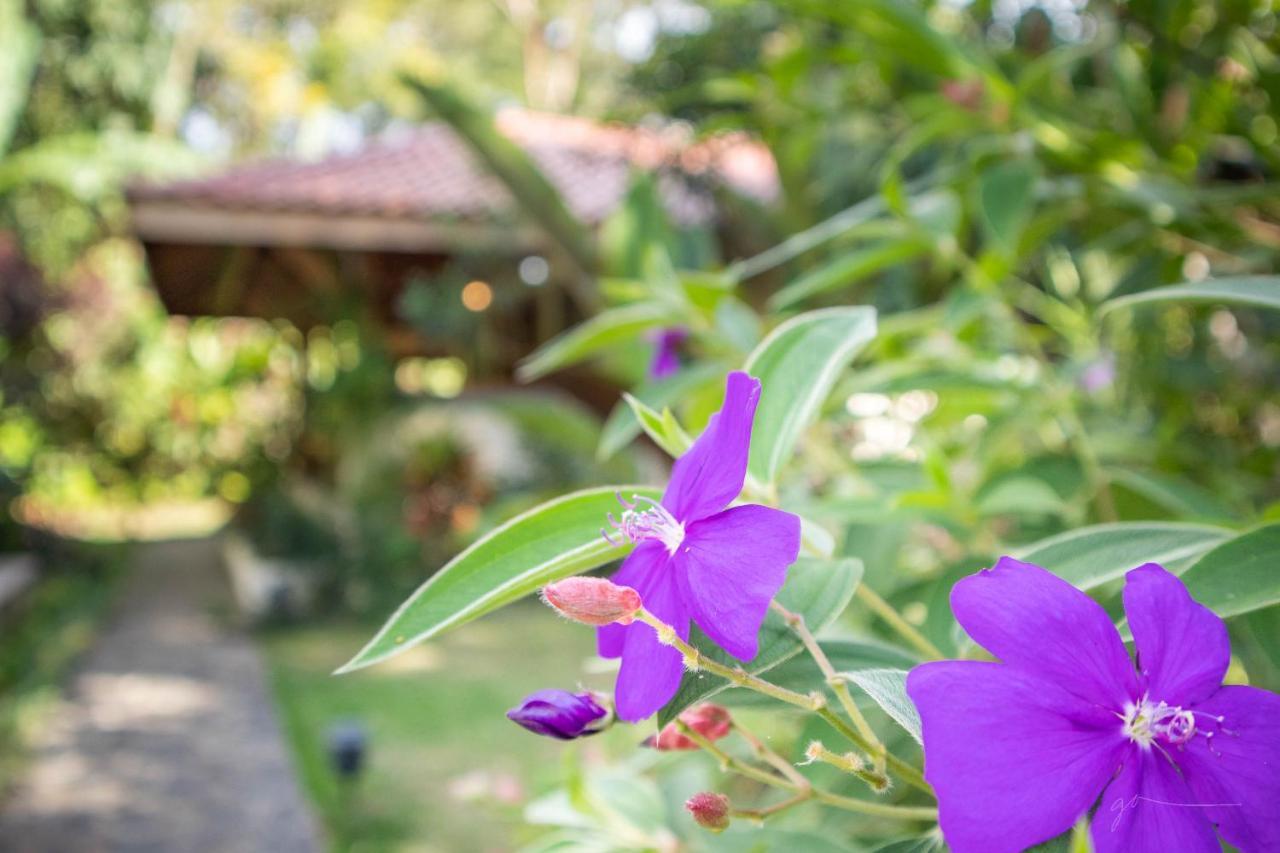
168	739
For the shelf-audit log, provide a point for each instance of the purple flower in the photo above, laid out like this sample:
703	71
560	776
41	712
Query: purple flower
560	714
666	352
1017	751
696	560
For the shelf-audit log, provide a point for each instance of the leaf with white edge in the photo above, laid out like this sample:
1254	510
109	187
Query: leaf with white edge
797	365
818	590
1091	556
1256	291
549	542
663	428
603	330
888	687
1239	576
622	426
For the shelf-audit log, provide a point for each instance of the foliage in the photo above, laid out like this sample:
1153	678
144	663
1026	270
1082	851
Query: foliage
1064	227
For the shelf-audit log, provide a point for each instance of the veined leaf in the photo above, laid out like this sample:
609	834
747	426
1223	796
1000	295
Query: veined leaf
888	687
816	589
1090	556
549	542
1239	576
605	329
1257	291
797	365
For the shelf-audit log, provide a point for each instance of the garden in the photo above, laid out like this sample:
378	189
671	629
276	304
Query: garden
657	426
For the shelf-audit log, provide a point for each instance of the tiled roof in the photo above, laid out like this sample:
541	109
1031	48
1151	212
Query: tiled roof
428	173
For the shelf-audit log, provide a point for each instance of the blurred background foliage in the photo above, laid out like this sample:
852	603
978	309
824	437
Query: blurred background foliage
988	175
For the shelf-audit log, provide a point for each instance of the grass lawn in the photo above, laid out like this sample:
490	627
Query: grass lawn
446	770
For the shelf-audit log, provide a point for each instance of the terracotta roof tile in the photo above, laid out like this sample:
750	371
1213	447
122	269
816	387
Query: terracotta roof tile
429	173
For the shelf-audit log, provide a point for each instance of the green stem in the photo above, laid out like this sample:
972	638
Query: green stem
902	769
834	681
696	660
905	630
807	791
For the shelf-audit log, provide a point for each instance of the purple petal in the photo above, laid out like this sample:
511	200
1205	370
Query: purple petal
1032	619
1014	759
650	673
710	473
1237	770
1148	809
1183	648
731	565
666	359
641	571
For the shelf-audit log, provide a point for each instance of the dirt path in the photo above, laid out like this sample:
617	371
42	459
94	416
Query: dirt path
168	739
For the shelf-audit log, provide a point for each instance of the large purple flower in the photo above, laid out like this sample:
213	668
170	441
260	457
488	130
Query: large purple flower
695	560
1017	751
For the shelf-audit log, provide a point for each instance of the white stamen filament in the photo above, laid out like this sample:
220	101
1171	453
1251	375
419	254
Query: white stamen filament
1147	722
638	525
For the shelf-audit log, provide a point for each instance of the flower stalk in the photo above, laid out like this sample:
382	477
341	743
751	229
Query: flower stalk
837	684
893	618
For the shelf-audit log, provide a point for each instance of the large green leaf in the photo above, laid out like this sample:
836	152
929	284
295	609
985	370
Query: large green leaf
551	541
1258	291
816	589
797	364
848	269
888	687
1006	193
1239	576
1175	494
1091	556
603	330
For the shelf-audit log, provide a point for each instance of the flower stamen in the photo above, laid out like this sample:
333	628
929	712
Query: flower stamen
652	522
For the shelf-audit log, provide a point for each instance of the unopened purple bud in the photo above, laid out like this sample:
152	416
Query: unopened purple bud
666	352
710	810
561	714
1099	375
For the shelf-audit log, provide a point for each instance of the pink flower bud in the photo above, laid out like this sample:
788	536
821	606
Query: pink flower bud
709	810
593	601
710	720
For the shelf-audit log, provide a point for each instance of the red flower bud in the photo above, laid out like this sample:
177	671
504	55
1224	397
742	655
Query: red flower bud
710	720
709	810
593	601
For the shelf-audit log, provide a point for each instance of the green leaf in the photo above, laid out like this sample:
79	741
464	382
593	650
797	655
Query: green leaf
848	269
1091	556
605	329
622	426
662	428
1258	291
1006	193
1020	495
797	365
818	590
549	542
929	843
1239	576
1177	495
888	687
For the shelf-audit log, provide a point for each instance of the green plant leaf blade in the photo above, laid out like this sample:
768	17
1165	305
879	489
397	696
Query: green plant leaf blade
888	687
551	541
604	329
797	365
1257	291
816	589
1091	556
1239	576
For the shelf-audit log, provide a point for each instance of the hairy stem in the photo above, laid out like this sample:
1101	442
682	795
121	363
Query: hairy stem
764	753
695	660
807	791
885	611
834	681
